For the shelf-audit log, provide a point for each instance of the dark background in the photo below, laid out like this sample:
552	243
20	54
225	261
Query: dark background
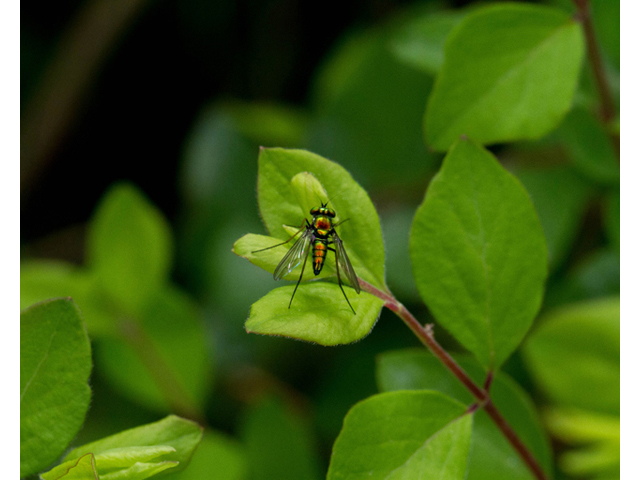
156	75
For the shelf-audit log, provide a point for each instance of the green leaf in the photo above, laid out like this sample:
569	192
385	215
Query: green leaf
403	435
589	147
396	222
596	275
217	457
319	313
139	471
178	433
114	459
55	363
43	279
574	426
595	436
278	201
492	456
574	355
162	361
560	198
248	246
129	247
279	444
420	41
510	72
478	253
82	468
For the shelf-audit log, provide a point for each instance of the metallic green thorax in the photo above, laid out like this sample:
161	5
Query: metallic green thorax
322	224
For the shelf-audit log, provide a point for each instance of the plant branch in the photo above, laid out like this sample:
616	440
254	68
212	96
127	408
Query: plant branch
607	105
425	335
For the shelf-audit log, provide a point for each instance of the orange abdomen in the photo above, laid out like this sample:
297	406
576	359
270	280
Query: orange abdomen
319	254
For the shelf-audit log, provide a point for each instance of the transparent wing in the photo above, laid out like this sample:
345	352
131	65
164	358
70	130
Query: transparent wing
345	264
295	255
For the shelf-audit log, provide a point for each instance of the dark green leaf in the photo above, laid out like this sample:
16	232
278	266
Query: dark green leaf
404	434
217	457
509	73
369	111
560	198
129	247
597	275
279	444
55	363
178	433
589	147
319	313
574	355
491	455
396	223
420	41
478	253
279	202
163	361
269	124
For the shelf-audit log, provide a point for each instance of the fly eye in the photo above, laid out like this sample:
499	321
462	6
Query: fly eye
314	211
331	213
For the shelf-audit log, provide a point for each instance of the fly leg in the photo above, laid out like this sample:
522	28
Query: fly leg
299	279
339	280
302	227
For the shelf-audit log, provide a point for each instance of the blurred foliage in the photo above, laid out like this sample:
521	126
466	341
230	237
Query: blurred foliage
180	108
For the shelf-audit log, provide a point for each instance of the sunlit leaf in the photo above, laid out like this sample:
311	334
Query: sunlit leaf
492	456
82	468
404	434
278	201
319	313
509	73
181	435
478	253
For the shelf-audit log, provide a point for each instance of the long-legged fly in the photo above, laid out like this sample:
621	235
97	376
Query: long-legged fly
317	237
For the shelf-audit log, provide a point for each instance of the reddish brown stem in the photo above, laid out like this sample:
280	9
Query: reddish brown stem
425	335
607	105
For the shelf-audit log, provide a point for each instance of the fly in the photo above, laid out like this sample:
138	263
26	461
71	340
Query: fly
317	238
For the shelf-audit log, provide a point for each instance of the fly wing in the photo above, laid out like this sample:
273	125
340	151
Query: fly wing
295	255
345	264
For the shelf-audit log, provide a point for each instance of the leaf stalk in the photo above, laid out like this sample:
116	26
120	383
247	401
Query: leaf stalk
425	335
607	105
